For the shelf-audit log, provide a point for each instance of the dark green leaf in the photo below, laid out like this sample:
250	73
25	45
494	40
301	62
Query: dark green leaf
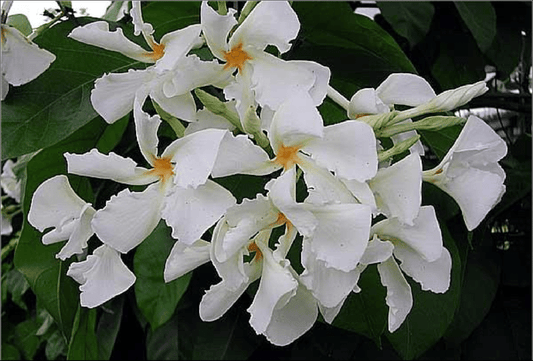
432	313
55	346
167	16
156	299
83	344
365	312
26	338
358	51
409	19
10	352
17	285
441	141
46	274
108	326
480	18
112	135
57	103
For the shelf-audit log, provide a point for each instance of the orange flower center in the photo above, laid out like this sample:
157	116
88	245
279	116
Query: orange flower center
287	156
236	57
162	169
252	247
158	50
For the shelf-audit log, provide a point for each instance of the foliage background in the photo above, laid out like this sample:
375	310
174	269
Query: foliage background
486	314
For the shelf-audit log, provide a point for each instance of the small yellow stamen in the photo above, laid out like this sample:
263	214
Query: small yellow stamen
439	171
360	115
162	168
252	247
236	57
287	156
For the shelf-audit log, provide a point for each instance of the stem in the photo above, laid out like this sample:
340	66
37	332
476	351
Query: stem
6	250
246	10
6	6
222	8
338	98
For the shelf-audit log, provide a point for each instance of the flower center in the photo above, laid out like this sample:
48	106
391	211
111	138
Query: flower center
252	247
162	169
158	50
287	156
236	57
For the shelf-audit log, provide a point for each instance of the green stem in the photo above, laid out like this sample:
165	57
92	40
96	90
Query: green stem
6	250
222	8
246	10
174	122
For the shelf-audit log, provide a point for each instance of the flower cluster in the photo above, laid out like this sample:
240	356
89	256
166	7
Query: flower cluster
362	205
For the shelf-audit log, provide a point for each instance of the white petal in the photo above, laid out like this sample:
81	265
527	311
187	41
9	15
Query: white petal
77	240
110	166
282	194
424	236
206	119
191	72
239	155
54	203
479	142
104	276
433	276
398	189
399	297
329	286
146	127
219	298
269	23
113	94
22	60
216	28
191	211
184	258
348	149
330	313
476	192
275	80
177	44
295	123
9	182
362	192
322	186
195	156
322	75
129	217
405	89
138	23
366	101
240	90
277	286
97	33
244	221
377	251
341	235
181	106
294	319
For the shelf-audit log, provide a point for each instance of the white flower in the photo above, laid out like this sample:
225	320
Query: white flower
55	204
470	172
22	60
169	81
422	256
9	182
399	88
282	309
181	194
271	79
102	276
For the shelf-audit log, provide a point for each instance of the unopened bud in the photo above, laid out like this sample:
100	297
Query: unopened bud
218	107
398	148
252	126
430	123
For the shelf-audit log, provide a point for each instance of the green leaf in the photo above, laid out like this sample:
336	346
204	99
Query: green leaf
108	326
114	11
17	285
480	18
167	16
156	299
83	344
164	343
20	22
112	135
56	104
432	313
441	141
46	274
411	20
479	287
10	352
26	338
55	346
358	51
365	312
